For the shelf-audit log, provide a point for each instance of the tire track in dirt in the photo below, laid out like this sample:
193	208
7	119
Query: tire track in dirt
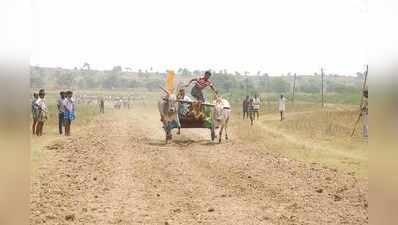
296	193
120	172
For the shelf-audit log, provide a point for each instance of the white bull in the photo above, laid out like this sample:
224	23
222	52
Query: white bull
221	114
168	113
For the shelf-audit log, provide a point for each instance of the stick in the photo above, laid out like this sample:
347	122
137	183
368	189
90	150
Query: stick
323	100
364	84
190	102
163	89
360	112
294	87
356	124
268	92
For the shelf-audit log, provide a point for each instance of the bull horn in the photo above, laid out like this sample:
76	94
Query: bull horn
161	88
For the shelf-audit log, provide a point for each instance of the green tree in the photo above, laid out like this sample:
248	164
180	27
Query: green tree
110	81
311	86
134	84
65	79
279	85
152	85
89	81
36	81
86	66
117	69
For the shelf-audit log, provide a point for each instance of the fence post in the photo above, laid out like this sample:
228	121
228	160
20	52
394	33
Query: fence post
294	87
322	89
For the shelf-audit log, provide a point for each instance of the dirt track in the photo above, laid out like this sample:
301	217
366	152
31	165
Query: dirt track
118	171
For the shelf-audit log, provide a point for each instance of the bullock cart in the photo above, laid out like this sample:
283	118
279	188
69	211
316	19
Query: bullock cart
197	115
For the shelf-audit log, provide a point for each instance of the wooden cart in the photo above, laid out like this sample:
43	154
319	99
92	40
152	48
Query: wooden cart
189	121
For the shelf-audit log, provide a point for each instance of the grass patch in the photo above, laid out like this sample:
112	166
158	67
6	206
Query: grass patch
308	134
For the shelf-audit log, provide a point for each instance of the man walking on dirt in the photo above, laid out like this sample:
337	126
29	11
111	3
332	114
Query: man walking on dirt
200	84
245	107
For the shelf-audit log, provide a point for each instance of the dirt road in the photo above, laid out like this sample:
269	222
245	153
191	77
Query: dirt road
118	171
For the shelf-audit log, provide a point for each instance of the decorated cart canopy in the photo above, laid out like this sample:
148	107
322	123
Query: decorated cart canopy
198	115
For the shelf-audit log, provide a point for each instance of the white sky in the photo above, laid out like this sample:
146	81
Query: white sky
274	36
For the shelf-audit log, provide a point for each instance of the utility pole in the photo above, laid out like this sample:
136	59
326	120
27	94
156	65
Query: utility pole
268	92
247	85
294	86
323	98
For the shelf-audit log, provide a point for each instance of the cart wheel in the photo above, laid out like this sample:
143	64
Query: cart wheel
213	134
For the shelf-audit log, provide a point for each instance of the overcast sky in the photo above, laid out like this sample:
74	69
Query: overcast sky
274	36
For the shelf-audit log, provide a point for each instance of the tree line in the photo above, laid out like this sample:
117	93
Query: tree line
245	84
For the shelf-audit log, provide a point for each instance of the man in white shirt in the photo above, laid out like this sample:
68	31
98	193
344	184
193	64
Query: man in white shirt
182	107
256	106
42	116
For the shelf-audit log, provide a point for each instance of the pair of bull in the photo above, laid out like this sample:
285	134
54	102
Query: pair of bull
168	109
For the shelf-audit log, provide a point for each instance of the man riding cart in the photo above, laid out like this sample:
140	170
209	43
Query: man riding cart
182	112
200	84
199	113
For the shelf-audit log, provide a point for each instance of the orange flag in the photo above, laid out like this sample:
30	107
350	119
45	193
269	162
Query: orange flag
170	81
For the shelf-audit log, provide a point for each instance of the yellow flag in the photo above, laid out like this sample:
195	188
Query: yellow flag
170	81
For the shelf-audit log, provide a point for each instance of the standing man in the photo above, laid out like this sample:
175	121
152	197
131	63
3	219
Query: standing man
245	107
200	84
69	114
250	111
364	111
102	105
128	102
35	112
256	106
182	107
61	110
42	115
282	107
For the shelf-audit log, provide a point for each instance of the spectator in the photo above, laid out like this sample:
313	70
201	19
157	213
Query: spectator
35	112
42	112
69	114
256	106
282	106
61	110
245	107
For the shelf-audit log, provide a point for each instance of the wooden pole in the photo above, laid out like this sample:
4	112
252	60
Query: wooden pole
269	91
356	123
294	86
364	83
323	98
360	107
247	85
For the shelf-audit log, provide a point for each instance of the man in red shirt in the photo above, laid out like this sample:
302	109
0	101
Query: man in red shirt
200	84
